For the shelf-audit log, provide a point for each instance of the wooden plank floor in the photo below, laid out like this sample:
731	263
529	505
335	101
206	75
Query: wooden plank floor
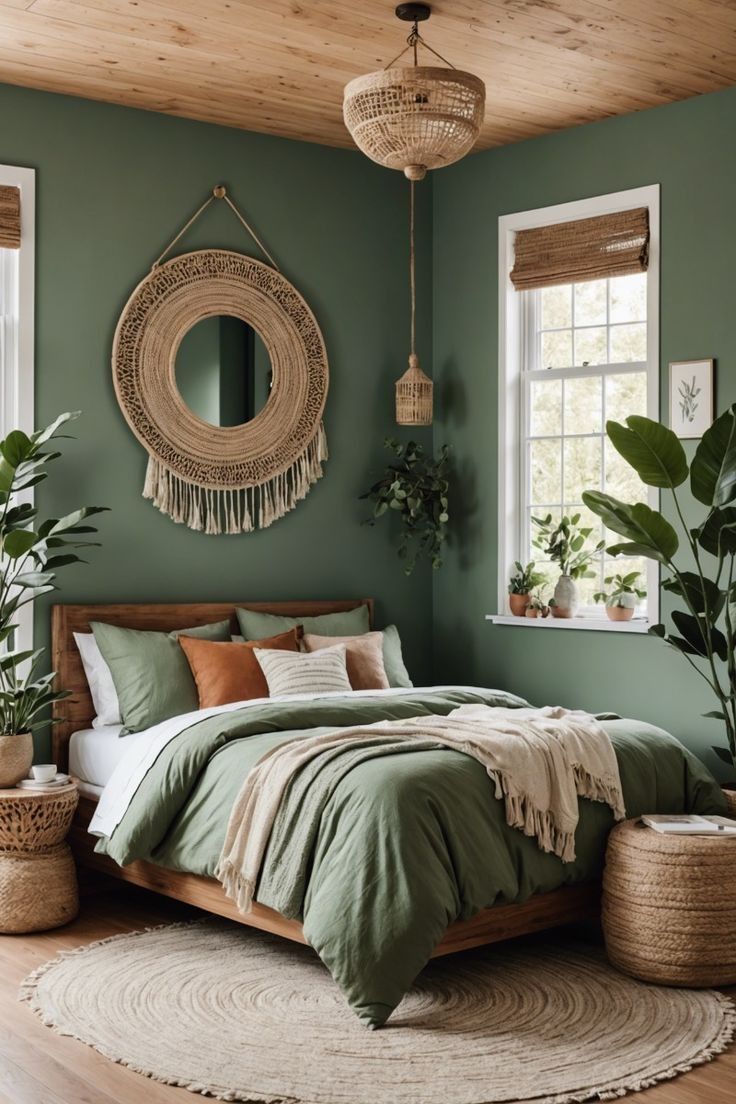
38	1066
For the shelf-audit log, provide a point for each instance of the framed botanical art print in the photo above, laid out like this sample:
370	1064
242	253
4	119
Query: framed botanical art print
691	396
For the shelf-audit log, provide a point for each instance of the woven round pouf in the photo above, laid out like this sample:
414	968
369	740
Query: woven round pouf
38	881
669	906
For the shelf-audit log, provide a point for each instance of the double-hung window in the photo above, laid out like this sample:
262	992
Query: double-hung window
17	218
574	353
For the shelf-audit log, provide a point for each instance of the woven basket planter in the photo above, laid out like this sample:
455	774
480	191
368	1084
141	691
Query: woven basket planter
669	906
16	756
730	796
38	890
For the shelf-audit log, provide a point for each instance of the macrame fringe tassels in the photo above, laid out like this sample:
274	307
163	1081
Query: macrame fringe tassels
235	509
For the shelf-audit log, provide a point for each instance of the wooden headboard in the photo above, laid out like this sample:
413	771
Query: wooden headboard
77	711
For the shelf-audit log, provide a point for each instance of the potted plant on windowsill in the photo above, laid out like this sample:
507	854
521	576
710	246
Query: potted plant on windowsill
524	579
621	596
30	554
565	543
705	629
537	606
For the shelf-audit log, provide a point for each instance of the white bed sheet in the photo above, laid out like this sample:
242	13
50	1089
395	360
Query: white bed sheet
94	753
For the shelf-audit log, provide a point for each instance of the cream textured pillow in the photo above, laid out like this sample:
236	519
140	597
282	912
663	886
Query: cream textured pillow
364	657
290	673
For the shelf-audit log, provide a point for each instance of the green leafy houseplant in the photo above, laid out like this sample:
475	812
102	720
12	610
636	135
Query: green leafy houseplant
416	487
705	629
564	542
525	578
30	554
621	590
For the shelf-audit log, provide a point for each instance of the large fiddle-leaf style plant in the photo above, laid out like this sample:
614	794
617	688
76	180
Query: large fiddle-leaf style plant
416	487
704	627
30	553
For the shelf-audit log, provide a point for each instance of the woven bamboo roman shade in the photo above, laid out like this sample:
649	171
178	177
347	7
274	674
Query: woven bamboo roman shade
9	217
586	249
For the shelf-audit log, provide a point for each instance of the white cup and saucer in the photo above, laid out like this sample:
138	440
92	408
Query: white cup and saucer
44	776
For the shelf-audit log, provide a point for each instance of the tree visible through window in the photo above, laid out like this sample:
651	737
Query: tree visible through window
584	361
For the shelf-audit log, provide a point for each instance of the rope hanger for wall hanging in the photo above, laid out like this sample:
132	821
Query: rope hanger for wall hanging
218	192
222	479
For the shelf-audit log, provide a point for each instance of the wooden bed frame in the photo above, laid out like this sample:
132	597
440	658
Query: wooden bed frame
547	910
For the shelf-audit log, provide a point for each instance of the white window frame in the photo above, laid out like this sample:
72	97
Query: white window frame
17	337
511	407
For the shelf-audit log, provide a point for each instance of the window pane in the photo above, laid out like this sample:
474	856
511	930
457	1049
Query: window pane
557	307
582	467
626	394
621	480
628	343
590	303
557	349
583	399
545	471
546	408
590	346
629	298
588	587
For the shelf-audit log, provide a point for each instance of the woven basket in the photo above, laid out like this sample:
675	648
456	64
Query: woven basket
730	796
16	756
38	890
669	906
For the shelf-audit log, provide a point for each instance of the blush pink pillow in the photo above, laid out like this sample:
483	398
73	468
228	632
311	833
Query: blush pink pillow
363	657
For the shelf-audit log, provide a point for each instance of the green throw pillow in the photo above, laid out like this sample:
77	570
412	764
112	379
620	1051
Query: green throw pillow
393	659
257	626
150	671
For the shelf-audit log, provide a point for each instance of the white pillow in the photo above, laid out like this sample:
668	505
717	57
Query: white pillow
101	687
290	673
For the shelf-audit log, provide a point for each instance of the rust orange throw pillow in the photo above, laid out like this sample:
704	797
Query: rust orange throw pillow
230	672
363	657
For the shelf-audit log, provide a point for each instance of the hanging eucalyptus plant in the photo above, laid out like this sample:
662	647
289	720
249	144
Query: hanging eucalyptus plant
30	554
416	487
705	629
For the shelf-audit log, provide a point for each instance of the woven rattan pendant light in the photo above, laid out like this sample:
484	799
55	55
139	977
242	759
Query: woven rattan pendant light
414	389
415	117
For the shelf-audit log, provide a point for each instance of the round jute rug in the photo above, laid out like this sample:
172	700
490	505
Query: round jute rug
243	1016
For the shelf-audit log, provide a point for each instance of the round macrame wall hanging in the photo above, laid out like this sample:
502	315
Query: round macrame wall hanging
222	478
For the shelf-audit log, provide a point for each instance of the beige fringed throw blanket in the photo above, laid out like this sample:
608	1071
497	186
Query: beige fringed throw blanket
541	761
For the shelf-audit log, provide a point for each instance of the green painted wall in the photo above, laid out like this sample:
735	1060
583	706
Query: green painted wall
113	186
688	148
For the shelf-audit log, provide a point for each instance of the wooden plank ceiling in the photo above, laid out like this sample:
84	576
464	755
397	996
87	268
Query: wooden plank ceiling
279	66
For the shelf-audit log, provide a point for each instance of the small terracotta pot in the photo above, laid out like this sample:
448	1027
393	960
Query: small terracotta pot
518	604
16	756
619	613
531	611
561	611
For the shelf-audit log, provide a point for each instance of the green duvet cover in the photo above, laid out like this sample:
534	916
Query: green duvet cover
406	843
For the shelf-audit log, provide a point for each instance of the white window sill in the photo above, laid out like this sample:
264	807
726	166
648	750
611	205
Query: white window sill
597	624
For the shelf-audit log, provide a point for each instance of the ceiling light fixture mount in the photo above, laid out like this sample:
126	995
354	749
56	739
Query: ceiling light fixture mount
415	117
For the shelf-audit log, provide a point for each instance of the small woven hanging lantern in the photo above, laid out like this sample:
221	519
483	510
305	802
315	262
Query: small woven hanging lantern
414	389
415	118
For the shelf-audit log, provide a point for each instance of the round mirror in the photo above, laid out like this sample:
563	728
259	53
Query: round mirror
223	370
